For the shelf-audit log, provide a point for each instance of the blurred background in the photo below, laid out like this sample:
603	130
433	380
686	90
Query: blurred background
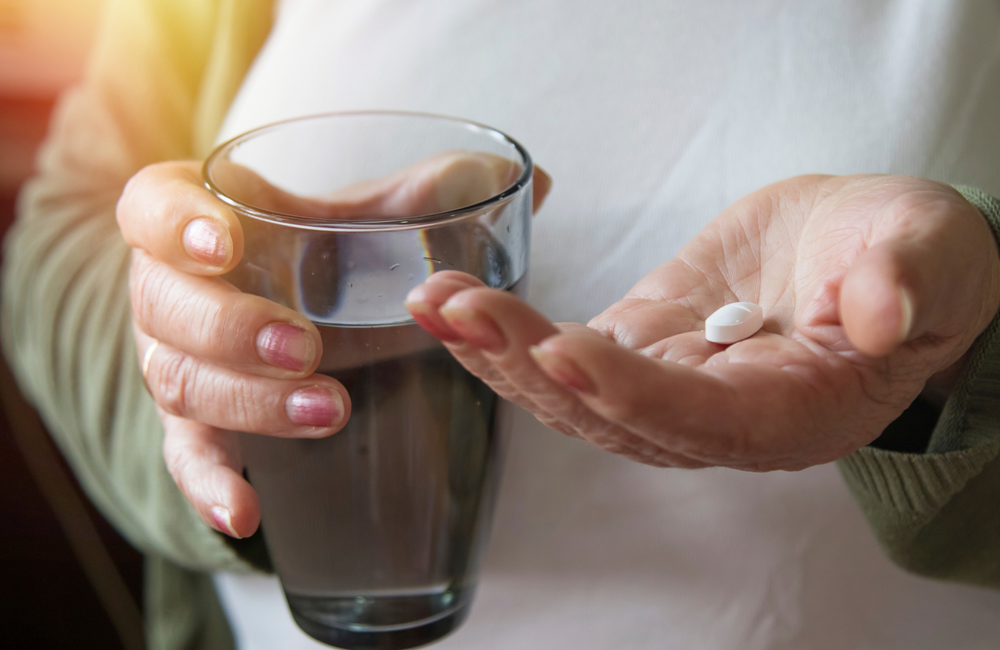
69	581
43	47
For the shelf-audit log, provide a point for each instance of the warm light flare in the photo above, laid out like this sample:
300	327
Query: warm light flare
43	44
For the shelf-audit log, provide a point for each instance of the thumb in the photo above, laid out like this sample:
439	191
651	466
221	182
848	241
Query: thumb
936	277
879	298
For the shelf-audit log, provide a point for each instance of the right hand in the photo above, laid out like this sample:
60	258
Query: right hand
217	360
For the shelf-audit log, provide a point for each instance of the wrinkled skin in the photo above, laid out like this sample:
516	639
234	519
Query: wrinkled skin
873	288
217	360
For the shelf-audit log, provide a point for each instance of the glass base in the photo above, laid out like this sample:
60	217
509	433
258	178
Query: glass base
380	622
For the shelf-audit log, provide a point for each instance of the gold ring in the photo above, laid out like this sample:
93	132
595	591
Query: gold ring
145	361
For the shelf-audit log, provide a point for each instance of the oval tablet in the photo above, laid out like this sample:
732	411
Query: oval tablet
734	322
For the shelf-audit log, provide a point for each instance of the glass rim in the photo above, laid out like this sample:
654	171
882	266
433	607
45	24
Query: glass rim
369	223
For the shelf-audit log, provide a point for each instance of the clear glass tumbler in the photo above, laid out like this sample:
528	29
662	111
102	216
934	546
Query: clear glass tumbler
376	532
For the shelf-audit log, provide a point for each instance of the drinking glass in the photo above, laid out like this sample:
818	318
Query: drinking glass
376	532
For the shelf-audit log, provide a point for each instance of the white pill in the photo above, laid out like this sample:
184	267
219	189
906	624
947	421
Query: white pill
734	322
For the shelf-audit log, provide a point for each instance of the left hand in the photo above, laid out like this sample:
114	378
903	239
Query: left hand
870	286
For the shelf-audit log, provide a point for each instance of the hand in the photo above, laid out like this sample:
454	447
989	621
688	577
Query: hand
217	360
870	286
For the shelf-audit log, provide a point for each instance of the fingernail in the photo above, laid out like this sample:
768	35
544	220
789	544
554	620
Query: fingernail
429	319
224	521
562	370
207	241
314	407
286	346
906	309
475	328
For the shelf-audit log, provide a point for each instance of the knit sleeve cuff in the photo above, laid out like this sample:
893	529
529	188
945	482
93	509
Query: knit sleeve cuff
899	491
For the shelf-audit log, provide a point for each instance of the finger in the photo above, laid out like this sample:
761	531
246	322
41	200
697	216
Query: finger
876	302
463	178
540	187
424	301
503	326
636	323
205	463
190	388
927	277
166	211
658	329
497	330
684	411
470	329
210	319
454	277
481	317
447	181
504	332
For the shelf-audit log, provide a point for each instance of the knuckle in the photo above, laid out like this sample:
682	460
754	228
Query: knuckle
603	323
244	407
175	381
202	317
185	385
624	408
226	325
612	321
150	284
147	195
164	306
557	425
218	326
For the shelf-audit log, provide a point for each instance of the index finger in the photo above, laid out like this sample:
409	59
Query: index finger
166	211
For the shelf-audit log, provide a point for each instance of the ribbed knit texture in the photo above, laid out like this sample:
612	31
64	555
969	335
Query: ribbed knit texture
930	511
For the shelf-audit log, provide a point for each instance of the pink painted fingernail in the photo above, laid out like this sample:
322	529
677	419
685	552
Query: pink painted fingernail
208	241
475	328
429	319
315	407
562	370
286	346
223	519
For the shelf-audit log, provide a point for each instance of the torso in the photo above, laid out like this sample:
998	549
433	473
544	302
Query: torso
652	116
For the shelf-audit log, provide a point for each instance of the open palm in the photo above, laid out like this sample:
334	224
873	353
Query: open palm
869	284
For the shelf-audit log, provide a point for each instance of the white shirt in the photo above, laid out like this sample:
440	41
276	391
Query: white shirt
652	116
